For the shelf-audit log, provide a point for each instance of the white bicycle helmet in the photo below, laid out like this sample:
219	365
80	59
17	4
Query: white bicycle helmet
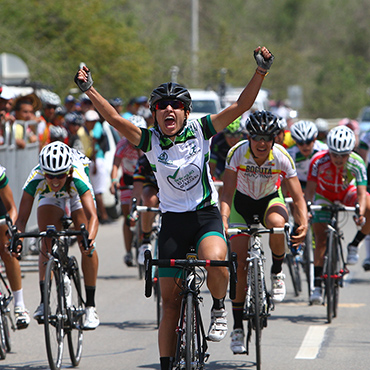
55	158
304	131
138	121
341	140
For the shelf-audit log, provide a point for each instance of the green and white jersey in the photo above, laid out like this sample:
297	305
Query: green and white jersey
181	167
36	184
302	163
3	179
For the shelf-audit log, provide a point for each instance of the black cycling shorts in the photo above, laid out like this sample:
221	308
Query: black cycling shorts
180	231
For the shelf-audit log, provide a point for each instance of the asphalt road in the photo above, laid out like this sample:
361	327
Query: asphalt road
297	336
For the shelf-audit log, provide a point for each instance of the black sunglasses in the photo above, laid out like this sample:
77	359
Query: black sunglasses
59	177
175	104
262	137
302	142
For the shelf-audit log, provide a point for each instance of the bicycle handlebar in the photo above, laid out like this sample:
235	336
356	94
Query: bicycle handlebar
334	207
149	262
50	232
259	230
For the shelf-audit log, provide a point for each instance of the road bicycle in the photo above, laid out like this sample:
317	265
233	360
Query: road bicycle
258	301
335	267
300	259
191	347
64	306
156	227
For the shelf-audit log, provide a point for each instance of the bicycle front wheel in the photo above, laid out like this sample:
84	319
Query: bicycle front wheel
2	338
76	311
190	335
330	282
309	261
294	273
257	311
8	344
53	315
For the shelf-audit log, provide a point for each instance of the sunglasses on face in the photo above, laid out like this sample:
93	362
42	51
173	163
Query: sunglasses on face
303	142
262	137
59	177
175	104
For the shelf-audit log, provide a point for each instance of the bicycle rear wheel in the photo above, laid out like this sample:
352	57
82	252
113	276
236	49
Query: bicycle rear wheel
2	338
330	289
53	315
75	333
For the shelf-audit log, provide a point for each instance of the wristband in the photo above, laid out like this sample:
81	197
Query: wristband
259	72
114	180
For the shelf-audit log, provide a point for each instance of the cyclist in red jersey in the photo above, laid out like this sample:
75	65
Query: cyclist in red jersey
337	174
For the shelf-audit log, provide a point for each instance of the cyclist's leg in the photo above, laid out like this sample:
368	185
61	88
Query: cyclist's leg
13	273
170	316
276	215
150	199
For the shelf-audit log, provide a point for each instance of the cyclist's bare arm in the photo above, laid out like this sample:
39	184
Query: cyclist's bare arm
362	200
300	209
125	127
24	212
245	100
227	195
91	215
310	190
6	196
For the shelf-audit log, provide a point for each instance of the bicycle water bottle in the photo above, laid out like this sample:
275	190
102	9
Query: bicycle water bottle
68	290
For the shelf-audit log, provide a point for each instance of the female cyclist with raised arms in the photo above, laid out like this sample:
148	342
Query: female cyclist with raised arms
178	151
59	180
253	174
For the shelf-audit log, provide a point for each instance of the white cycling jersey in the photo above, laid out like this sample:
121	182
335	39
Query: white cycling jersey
301	162
181	167
259	181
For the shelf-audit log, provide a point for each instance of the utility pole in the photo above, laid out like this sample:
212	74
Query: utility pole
194	40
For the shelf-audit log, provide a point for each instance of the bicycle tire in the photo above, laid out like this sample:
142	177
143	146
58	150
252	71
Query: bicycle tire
257	319
2	338
8	343
190	335
75	333
53	315
158	298
329	278
308	260
294	273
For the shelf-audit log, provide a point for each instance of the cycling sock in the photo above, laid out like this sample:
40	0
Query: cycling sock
358	239
42	284
238	308
277	263
166	363
318	280
18	298
146	236
90	296
218	304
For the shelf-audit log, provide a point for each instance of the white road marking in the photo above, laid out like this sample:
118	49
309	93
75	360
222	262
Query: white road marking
311	343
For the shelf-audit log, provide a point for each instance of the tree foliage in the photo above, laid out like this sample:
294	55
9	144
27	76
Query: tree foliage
131	46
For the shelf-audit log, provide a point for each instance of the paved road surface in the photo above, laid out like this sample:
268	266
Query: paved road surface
297	336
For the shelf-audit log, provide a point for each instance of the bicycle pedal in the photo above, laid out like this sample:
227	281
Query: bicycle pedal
22	324
40	320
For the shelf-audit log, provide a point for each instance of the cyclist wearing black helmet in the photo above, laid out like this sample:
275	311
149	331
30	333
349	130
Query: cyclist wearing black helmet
178	151
252	182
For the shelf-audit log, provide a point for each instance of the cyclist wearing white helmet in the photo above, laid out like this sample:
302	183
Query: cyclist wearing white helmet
304	133
337	174
60	180
178	152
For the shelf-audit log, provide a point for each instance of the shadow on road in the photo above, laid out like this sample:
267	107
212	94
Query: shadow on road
213	365
132	325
